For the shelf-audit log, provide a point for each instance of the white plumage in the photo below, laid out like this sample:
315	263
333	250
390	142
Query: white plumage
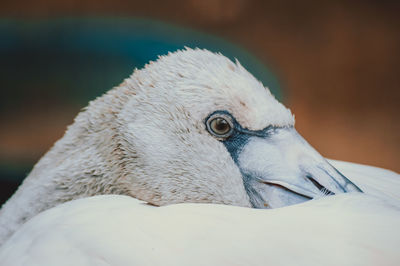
347	229
194	127
375	181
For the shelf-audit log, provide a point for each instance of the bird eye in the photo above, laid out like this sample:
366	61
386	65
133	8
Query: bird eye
220	126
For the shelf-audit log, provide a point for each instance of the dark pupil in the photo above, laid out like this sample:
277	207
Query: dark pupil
220	126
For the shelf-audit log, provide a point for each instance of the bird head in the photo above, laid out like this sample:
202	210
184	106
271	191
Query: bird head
197	127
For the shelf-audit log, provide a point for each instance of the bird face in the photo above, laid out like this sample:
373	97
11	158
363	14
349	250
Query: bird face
278	166
200	128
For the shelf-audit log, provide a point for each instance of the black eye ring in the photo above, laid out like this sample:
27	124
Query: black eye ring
220	126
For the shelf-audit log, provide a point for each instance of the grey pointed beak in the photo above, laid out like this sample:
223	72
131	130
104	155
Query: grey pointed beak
280	169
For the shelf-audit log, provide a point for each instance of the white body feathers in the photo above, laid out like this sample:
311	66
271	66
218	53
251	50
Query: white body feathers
347	229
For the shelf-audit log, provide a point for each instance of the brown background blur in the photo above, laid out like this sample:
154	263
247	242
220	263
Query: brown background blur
338	64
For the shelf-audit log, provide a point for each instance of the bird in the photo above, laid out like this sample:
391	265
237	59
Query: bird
192	127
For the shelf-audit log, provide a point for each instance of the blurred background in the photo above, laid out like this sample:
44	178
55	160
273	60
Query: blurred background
336	64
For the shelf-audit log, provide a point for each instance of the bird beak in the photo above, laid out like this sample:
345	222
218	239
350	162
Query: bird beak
280	168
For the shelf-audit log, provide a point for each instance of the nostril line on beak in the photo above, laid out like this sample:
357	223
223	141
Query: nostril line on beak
321	188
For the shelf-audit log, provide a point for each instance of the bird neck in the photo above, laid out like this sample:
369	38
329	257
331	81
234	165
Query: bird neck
77	166
30	199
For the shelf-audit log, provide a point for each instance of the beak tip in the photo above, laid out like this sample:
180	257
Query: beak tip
350	187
